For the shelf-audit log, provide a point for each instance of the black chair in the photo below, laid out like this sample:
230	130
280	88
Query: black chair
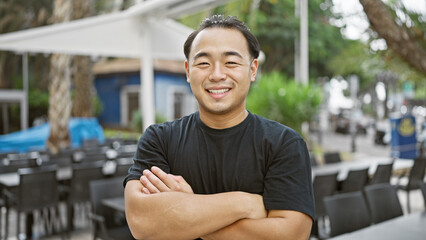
323	185
355	181
90	143
383	202
78	190
332	157
107	224
37	191
2	205
12	165
415	178
383	174
63	157
123	165
423	188
347	212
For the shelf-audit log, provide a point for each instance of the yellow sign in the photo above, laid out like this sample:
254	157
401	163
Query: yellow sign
406	127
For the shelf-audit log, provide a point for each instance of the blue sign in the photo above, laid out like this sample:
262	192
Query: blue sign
403	137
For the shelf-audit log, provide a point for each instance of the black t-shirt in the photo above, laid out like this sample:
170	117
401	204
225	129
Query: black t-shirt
256	156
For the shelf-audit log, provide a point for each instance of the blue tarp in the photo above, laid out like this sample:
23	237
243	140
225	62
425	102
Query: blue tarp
35	138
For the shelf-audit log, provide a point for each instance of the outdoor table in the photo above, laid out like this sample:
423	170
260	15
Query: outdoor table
116	203
412	226
371	162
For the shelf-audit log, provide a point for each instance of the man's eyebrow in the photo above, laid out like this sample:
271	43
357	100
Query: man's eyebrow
200	54
225	54
232	53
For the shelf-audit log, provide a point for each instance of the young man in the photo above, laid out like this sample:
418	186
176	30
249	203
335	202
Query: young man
222	172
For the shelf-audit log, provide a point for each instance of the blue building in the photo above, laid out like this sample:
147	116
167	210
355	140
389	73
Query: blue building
117	83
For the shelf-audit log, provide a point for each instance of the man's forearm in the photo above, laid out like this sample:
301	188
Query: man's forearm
291	225
177	215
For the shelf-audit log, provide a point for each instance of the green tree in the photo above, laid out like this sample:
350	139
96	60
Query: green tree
284	100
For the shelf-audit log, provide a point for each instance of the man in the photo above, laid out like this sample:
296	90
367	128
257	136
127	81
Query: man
222	172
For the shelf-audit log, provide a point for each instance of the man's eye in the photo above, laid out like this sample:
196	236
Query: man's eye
231	63
202	63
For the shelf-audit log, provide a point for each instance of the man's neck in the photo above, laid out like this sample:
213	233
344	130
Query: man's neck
218	121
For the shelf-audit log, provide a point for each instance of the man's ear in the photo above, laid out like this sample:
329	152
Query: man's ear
253	69
187	71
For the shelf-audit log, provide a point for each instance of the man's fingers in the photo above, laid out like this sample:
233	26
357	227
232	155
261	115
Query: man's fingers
167	179
148	185
145	190
153	183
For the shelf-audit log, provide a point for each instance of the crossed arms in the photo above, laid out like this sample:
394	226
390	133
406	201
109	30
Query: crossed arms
163	206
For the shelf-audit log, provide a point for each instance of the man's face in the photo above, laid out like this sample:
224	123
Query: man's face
220	70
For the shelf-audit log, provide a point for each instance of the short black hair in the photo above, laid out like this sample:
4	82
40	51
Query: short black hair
225	22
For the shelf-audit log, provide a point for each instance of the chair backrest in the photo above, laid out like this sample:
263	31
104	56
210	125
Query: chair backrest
12	165
355	181
123	165
63	158
82	174
90	143
105	188
383	174
423	188
323	185
383	202
347	212
417	173
38	188
332	157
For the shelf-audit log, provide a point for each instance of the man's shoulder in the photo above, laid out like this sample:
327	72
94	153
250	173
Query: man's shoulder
274	128
175	124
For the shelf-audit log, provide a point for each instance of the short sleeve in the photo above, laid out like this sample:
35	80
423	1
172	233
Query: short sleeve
150	152
288	180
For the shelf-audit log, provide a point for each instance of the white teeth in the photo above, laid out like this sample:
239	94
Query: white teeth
218	91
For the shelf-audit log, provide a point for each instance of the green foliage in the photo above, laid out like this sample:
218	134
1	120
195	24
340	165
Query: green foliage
276	27
284	100
38	104
136	123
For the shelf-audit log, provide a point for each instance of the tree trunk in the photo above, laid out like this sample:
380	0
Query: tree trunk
59	87
82	70
397	38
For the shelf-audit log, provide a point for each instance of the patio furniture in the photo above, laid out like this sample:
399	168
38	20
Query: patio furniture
108	223
383	174
347	212
415	178
383	202
323	185
37	191
332	157
77	193
355	181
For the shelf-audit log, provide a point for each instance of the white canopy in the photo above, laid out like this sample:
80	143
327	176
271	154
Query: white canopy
144	31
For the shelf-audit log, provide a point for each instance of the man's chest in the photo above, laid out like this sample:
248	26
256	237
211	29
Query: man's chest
219	164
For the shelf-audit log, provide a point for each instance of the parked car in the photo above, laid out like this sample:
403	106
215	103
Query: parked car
343	122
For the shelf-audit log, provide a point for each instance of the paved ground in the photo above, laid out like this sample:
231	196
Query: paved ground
330	142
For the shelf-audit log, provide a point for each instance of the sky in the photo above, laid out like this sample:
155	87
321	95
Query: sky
356	20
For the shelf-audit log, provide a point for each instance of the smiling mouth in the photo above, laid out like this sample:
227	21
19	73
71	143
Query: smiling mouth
218	91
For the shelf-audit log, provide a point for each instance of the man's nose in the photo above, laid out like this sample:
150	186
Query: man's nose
217	73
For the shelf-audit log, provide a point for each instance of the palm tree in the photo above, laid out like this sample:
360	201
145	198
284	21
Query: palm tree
82	70
59	87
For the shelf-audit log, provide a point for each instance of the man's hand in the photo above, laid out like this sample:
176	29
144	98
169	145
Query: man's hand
156	181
